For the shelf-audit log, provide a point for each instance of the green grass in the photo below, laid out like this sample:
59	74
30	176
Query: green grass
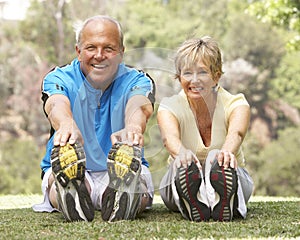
271	218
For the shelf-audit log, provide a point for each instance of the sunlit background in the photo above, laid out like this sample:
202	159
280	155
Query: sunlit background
260	44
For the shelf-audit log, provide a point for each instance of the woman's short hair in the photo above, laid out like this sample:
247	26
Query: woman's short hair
193	50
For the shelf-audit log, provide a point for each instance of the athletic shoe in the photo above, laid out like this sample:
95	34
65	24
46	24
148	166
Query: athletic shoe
224	181
68	167
192	203
121	199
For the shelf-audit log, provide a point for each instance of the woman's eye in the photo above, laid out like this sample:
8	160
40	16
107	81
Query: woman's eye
187	73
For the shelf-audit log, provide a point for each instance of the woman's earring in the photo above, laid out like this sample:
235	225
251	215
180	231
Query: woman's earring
215	88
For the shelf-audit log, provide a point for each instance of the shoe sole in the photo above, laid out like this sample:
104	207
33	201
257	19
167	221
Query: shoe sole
224	181
121	198
187	182
68	167
123	163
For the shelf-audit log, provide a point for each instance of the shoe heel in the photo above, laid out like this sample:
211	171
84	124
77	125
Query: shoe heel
187	182
224	181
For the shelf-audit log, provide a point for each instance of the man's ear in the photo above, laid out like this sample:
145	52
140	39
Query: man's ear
122	51
78	51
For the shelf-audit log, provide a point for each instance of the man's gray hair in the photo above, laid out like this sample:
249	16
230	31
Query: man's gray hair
79	26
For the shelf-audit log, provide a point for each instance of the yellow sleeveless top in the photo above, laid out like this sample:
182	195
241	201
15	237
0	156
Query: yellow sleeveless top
190	137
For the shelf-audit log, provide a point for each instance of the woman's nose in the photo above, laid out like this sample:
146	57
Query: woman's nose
195	77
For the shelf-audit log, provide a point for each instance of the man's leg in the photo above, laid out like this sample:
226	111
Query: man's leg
53	193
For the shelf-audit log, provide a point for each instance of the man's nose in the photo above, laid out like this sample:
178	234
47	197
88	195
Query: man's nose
99	54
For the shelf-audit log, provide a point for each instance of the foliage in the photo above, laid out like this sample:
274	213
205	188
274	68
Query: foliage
276	175
284	13
7	52
257	48
265	219
173	21
52	31
255	62
287	83
155	153
21	72
19	167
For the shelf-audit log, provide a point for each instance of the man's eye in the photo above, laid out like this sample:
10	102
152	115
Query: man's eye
90	48
109	49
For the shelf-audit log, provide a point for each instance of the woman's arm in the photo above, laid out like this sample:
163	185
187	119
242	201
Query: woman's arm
170	133
237	129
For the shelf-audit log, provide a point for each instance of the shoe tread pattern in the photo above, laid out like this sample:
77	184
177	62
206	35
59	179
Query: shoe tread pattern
68	167
224	181
124	163
68	162
121	198
187	182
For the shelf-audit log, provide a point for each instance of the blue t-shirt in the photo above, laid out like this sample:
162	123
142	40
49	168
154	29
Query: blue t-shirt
97	114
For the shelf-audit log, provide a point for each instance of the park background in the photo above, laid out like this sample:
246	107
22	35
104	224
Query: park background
260	42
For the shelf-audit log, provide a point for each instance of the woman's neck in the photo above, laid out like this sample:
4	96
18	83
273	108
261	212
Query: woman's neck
203	106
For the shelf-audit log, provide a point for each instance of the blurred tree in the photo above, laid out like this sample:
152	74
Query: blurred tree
255	42
173	21
252	53
48	29
286	85
21	73
278	175
283	13
18	173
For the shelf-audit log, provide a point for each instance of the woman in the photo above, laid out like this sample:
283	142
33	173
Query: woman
203	127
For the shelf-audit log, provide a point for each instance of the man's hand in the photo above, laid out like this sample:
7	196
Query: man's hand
131	135
67	132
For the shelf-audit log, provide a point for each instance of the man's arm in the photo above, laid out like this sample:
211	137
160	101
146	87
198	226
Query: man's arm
138	111
58	109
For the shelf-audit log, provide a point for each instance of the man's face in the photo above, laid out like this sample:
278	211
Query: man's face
100	53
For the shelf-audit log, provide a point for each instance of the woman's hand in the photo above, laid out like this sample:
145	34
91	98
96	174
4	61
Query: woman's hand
185	157
227	159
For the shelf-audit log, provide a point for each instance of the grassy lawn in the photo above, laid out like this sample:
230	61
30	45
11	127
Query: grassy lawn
269	218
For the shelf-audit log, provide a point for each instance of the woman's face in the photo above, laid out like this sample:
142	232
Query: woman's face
197	81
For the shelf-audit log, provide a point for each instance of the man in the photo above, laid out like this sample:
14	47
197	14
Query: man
92	104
